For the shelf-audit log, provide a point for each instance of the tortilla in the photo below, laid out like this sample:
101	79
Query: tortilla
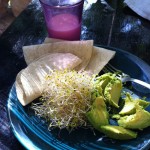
29	82
42	59
82	49
100	58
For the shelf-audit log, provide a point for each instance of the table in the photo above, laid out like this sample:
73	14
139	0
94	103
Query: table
108	23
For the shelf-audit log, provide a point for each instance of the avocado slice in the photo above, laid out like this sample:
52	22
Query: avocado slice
128	109
103	83
95	94
98	114
99	84
117	132
112	92
115	116
139	120
104	79
142	103
130	105
99	89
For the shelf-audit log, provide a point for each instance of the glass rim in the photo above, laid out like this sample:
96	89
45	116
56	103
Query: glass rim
67	6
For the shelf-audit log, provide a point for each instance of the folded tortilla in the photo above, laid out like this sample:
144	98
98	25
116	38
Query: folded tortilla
100	57
30	81
82	49
57	54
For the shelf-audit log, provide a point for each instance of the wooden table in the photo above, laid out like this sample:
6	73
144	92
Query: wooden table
108	24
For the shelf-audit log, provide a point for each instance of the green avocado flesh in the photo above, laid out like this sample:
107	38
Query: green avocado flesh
117	132
98	114
130	105
112	92
105	98
139	120
128	109
104	79
104	82
142	103
111	88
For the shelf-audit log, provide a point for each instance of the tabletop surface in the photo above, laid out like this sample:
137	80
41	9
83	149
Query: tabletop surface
108	23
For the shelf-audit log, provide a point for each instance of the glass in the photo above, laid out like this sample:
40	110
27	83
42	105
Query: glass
63	18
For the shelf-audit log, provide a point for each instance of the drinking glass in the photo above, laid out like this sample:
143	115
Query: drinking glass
63	18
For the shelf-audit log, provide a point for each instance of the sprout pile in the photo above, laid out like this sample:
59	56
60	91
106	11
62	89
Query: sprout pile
66	99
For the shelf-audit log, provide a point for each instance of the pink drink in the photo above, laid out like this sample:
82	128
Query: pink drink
63	18
64	26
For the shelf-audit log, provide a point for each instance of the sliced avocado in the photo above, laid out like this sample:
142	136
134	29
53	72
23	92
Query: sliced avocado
142	103
115	116
99	103
130	105
104	82
128	109
112	92
104	79
117	132
99	89
139	120
104	76
95	94
98	114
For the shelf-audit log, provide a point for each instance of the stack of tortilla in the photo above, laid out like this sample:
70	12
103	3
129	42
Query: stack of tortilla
56	54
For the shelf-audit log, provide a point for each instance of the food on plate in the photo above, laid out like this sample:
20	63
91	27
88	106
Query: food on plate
117	132
81	49
98	114
107	94
29	81
66	99
130	105
63	75
139	120
99	58
103	80
112	92
111	87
